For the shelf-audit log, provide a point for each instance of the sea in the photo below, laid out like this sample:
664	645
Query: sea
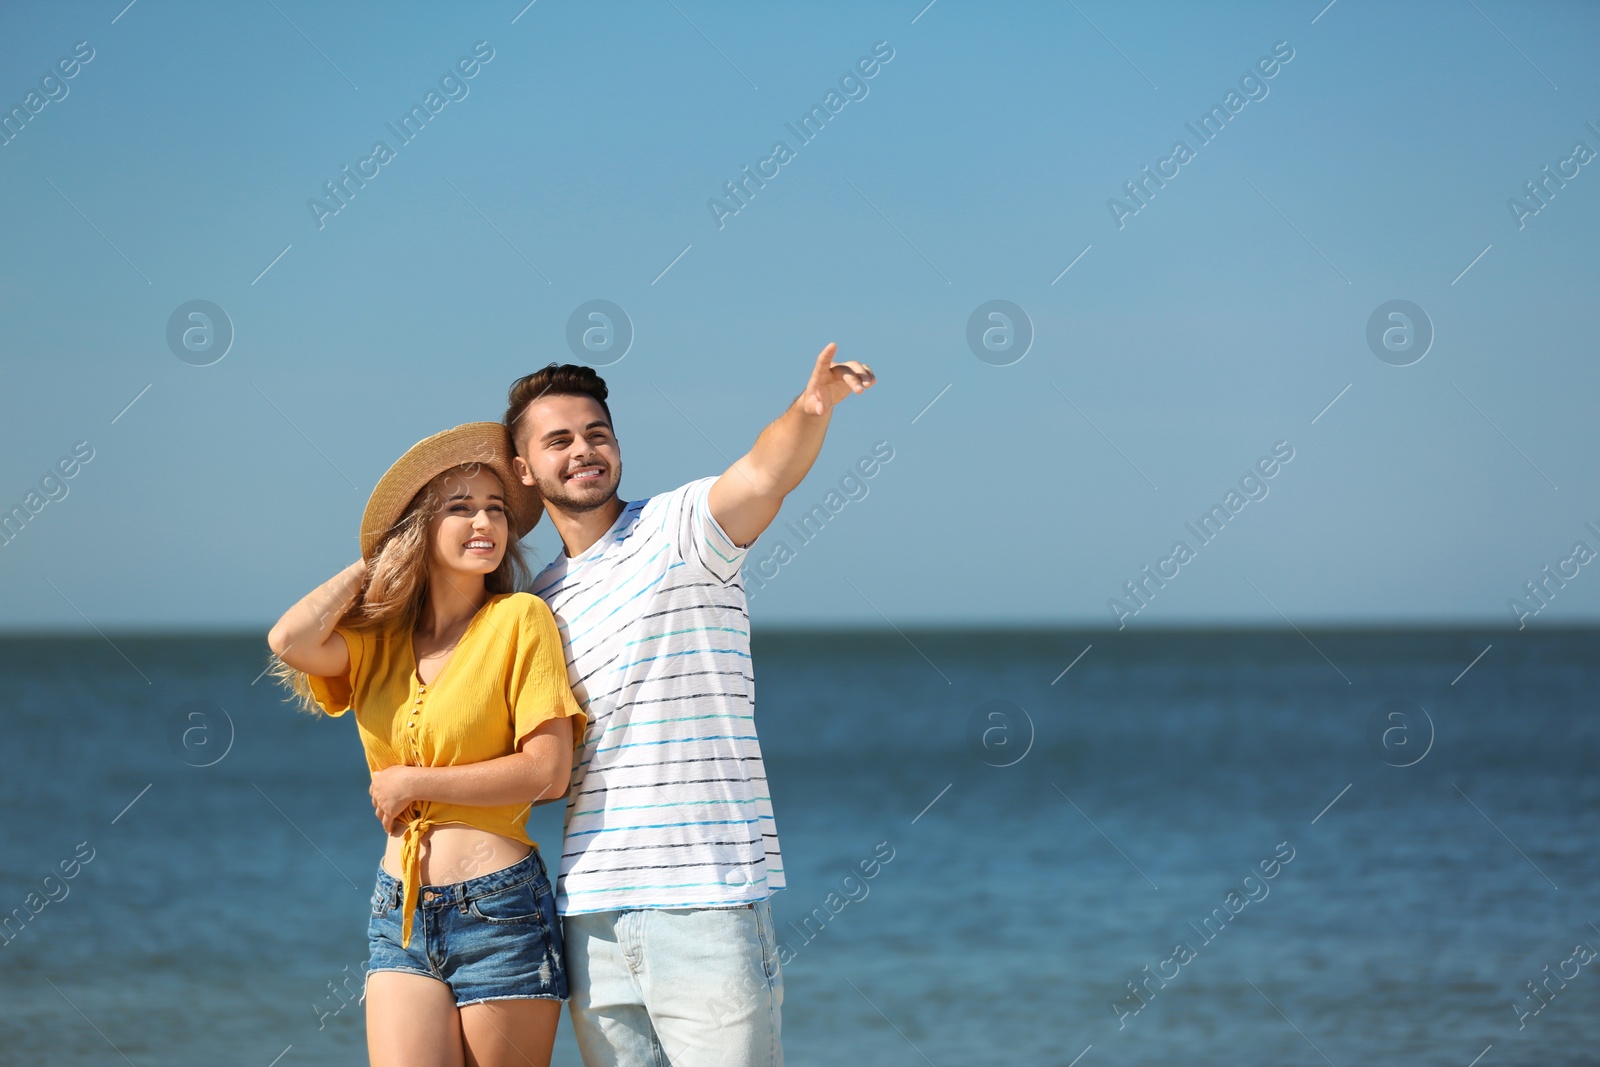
1055	847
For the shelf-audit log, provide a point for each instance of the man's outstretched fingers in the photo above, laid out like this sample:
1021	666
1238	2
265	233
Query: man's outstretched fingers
856	375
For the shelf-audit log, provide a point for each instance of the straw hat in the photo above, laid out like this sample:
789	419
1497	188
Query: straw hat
487	443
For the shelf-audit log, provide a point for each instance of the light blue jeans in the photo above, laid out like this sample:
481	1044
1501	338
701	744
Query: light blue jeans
694	987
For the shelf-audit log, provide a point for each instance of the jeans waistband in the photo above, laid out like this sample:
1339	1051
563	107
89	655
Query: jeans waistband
458	893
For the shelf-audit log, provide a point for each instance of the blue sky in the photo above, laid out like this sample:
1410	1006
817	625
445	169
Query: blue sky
1227	314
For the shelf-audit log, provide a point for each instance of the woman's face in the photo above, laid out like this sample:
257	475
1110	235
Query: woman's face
468	532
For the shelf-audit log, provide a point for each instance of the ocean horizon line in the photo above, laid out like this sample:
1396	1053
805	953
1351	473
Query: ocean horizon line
932	628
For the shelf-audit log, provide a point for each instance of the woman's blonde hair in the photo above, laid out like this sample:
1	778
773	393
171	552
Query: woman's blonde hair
396	586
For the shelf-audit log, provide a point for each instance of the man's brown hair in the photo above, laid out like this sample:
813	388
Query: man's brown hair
556	379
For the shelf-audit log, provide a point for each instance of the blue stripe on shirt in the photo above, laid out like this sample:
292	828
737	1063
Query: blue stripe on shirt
660	826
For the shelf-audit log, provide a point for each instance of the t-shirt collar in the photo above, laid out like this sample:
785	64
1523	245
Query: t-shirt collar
599	546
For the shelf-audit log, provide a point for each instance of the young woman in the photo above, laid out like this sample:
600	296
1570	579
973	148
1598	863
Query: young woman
460	691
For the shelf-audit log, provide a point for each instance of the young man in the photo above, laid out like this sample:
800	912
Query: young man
670	850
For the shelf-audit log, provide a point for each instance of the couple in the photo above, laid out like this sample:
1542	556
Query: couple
622	682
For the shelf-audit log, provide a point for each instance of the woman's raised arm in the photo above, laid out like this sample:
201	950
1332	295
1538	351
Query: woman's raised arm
304	637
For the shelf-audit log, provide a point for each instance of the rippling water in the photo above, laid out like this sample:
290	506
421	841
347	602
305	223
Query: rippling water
1050	840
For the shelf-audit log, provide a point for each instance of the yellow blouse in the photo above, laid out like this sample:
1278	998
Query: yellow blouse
506	677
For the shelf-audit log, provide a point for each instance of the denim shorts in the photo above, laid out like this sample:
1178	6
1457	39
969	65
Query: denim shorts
677	985
495	937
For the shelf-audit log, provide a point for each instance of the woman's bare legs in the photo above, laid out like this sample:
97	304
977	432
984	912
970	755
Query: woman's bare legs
510	1033
412	1021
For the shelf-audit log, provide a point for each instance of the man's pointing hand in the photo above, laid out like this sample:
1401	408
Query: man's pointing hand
831	382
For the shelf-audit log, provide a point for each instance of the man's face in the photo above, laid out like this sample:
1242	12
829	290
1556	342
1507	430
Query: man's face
566	451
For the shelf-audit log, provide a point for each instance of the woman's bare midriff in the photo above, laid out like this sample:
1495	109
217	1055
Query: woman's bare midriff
456	853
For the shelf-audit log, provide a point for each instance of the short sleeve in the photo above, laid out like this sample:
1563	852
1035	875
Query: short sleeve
336	695
702	542
537	688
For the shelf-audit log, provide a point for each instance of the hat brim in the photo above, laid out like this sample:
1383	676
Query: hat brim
485	443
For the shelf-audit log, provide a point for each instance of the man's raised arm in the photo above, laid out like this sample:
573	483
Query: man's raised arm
746	499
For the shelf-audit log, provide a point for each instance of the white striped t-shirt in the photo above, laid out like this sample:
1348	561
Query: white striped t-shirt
669	805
